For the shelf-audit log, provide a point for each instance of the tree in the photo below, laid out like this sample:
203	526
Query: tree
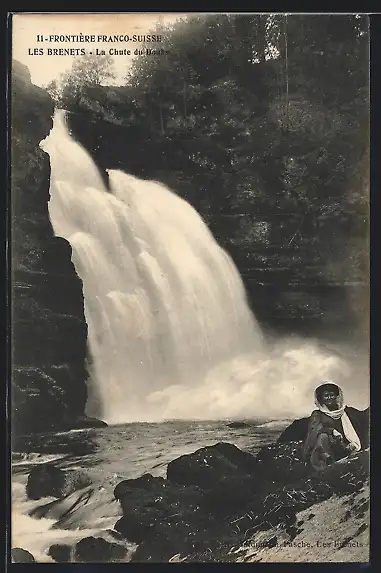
54	90
86	71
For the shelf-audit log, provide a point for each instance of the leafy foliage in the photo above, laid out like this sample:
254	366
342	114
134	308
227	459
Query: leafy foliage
88	70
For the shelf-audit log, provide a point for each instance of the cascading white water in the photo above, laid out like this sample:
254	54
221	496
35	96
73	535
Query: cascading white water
170	331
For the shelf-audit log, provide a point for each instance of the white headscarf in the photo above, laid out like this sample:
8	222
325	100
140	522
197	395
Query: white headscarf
348	429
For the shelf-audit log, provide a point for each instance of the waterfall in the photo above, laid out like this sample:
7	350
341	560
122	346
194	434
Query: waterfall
170	332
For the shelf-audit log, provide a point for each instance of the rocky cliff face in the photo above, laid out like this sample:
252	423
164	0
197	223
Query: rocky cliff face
49	331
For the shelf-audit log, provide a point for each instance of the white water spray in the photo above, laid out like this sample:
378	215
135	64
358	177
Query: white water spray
170	331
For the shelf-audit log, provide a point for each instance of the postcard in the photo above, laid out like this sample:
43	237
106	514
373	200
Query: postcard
189	251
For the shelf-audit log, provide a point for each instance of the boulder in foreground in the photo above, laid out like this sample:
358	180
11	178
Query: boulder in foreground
150	501
48	480
98	550
207	466
20	555
60	552
237	425
88	422
295	432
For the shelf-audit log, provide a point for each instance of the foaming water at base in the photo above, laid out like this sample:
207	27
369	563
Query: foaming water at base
37	535
276	383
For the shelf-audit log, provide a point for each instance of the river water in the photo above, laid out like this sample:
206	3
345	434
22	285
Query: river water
110	455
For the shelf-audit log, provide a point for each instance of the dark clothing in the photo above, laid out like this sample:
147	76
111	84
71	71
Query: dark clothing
327	449
322	447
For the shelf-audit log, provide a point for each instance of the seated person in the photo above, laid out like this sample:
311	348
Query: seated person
334	429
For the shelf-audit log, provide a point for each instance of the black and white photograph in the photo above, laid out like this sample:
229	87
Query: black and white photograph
189	287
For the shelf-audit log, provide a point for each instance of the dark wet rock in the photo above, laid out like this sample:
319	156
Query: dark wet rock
31	105
88	422
22	556
186	539
44	481
98	550
237	425
150	501
207	466
230	495
49	331
75	511
164	517
295	432
281	463
39	401
49	481
60	553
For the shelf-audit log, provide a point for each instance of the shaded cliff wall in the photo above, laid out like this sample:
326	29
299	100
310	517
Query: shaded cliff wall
49	331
